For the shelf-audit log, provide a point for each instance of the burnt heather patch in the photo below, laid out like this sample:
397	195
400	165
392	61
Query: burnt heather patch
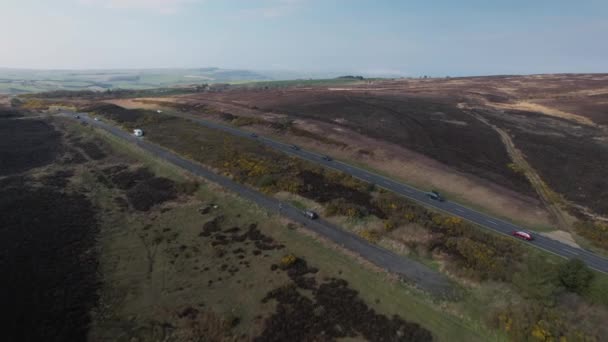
48	263
143	190
27	144
335	311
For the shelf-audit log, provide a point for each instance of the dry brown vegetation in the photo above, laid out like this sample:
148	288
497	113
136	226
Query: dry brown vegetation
422	116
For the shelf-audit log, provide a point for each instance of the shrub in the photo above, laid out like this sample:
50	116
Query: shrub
341	206
539	281
150	192
596	233
247	121
288	260
390	225
227	116
267	181
516	168
575	275
187	188
370	235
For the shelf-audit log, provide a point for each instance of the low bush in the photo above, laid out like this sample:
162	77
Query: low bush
575	276
370	235
247	121
595	232
288	260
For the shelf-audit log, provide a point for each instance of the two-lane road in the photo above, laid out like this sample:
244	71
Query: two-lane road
411	271
594	261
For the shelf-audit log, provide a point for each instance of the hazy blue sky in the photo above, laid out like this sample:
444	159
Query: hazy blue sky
408	37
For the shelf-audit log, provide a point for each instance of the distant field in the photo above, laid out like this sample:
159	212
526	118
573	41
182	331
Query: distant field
304	83
14	81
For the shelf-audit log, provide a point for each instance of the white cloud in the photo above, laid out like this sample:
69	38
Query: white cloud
161	6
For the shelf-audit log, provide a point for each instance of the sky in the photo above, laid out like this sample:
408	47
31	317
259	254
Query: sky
381	37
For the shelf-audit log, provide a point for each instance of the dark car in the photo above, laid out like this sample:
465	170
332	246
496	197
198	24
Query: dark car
434	195
253	135
295	147
327	158
77	116
311	214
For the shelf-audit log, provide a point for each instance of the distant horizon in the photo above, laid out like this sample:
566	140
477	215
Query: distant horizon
330	74
389	37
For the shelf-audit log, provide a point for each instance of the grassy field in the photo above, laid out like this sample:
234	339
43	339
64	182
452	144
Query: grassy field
304	83
125	265
17	81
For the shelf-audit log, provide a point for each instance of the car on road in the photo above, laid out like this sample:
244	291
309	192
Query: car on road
523	235
253	135
434	195
294	147
311	214
96	119
326	158
77	116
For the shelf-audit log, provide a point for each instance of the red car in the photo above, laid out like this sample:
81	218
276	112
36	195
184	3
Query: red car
523	235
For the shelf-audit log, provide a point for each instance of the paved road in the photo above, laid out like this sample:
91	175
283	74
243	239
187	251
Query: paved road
594	261
411	271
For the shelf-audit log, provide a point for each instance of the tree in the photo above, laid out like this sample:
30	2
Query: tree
575	275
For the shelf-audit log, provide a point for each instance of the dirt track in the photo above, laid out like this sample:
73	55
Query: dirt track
549	198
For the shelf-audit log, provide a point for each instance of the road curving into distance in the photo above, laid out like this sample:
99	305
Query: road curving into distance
409	270
594	261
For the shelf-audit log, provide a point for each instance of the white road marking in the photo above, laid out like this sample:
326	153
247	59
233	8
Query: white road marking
492	222
459	210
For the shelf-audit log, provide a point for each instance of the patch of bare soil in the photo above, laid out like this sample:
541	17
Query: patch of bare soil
534	107
141	103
